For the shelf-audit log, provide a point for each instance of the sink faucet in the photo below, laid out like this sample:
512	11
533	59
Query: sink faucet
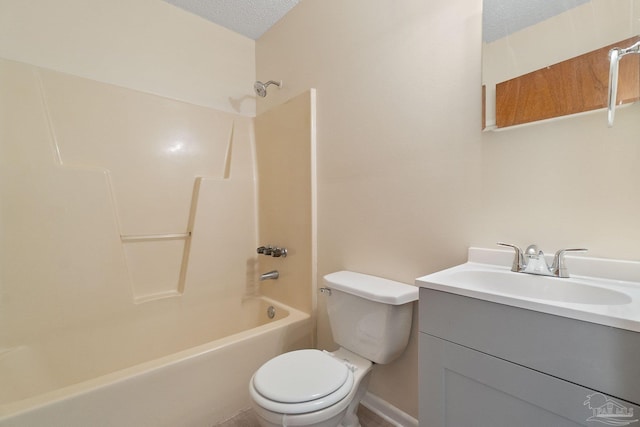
532	261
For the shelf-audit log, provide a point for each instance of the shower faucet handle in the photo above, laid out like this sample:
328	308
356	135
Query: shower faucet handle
279	252
265	250
273	251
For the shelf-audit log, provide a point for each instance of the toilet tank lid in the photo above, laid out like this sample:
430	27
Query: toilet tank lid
372	288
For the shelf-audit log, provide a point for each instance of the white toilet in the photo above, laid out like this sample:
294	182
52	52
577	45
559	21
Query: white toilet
370	319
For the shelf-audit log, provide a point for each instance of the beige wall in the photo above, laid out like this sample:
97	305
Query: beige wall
399	149
147	45
406	179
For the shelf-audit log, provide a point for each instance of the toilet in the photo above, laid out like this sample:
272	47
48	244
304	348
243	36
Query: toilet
370	320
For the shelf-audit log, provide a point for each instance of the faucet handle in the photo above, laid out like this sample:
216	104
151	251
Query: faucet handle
518	260
558	267
279	252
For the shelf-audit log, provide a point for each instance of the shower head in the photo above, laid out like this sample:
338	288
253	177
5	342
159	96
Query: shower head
261	88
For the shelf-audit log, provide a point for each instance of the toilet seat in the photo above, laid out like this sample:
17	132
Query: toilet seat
301	381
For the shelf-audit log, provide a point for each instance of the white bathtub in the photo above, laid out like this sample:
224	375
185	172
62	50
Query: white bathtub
163	365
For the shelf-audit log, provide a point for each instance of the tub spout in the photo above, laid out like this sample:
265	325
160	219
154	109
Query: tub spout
271	275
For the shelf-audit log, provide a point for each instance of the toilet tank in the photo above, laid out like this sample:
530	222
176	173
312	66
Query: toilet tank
369	315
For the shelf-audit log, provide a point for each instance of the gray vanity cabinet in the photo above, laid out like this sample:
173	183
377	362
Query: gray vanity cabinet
484	364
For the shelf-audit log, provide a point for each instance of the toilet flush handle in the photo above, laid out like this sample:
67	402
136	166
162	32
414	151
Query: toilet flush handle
325	291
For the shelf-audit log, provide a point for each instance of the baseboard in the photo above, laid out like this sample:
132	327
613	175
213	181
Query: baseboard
387	411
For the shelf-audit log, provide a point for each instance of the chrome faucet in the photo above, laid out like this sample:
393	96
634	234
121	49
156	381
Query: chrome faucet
271	275
532	261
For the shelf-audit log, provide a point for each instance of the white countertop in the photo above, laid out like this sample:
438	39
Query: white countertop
618	278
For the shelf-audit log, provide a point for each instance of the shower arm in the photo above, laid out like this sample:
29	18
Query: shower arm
261	88
615	55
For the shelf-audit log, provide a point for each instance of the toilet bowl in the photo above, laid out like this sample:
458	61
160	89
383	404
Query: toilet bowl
310	388
370	319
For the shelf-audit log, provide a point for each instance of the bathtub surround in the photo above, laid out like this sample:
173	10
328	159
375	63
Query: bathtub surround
140	212
99	165
286	163
169	165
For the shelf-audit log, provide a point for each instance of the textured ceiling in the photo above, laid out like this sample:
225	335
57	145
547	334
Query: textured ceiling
503	17
247	17
253	18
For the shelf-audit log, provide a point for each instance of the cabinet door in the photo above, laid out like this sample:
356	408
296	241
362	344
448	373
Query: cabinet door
461	387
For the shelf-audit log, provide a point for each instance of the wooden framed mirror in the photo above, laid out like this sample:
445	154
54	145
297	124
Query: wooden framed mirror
522	37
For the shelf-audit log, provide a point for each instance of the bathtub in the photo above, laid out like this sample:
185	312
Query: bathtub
161	365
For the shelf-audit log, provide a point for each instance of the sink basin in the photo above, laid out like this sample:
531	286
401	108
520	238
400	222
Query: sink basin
539	287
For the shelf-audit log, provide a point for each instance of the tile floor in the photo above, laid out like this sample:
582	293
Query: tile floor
248	419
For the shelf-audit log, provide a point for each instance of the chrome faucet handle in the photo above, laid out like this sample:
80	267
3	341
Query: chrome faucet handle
261	249
279	252
268	250
558	268
518	260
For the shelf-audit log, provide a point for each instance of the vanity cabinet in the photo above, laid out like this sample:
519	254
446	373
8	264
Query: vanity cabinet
484	364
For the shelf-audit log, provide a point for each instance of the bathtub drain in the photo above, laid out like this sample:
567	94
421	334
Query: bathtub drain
271	312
